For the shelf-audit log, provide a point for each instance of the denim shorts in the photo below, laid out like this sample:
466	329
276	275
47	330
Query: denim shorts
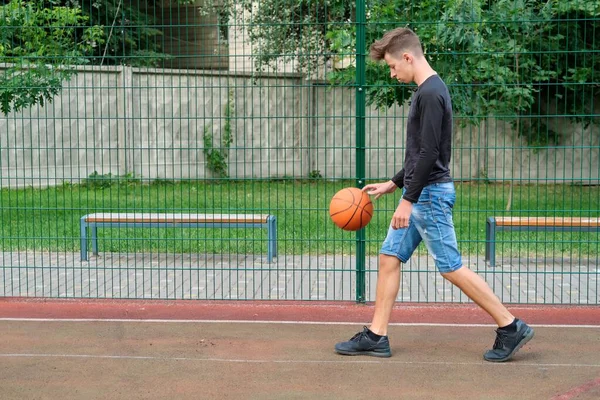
430	222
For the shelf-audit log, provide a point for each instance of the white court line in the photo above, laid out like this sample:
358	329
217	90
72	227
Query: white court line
229	321
345	360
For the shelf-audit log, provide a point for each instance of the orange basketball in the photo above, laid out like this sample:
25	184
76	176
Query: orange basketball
351	209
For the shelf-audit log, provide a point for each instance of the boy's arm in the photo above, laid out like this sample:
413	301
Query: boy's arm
432	113
398	179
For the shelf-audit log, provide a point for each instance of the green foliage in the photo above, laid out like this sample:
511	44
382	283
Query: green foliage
132	33
131	27
40	42
483	176
286	30
105	181
315	174
506	58
216	157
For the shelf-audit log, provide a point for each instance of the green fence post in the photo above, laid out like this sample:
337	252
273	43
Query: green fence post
360	141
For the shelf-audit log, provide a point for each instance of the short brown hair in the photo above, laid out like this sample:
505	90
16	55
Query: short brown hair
395	41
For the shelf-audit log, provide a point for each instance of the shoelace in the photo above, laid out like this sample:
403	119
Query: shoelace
358	336
500	339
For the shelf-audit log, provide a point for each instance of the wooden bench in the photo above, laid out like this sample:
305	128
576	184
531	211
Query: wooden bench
143	220
496	224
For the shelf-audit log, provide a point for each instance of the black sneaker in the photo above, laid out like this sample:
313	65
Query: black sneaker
508	343
361	344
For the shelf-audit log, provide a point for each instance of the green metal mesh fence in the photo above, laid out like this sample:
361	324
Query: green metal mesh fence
174	128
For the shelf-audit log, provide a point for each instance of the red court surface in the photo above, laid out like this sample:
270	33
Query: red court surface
111	349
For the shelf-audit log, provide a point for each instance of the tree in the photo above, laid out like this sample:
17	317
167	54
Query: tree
131	29
287	30
41	41
506	58
40	45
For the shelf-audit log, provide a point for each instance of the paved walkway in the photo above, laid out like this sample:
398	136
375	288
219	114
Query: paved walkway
299	277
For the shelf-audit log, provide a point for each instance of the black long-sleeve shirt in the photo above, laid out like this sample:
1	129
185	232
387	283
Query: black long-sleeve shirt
428	139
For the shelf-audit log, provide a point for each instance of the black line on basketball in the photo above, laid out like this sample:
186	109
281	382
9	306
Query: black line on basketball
352	217
365	211
342	211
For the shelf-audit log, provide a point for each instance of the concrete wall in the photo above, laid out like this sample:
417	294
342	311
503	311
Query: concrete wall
151	122
82	130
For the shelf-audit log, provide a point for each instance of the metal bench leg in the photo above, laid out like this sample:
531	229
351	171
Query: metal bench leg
94	239
272	238
490	241
83	238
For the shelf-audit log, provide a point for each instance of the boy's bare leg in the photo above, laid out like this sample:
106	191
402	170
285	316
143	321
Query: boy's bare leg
388	283
480	292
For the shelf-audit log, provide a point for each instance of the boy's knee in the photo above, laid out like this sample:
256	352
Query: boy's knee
387	262
453	275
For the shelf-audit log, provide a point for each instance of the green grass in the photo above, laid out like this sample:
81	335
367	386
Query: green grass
48	219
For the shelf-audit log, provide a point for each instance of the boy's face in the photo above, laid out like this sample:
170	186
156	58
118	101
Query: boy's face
401	66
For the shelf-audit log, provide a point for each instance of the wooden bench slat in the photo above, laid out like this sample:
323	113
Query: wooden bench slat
547	221
176	218
495	224
171	220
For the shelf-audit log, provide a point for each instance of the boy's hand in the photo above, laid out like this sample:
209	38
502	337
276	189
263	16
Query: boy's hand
379	189
402	214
